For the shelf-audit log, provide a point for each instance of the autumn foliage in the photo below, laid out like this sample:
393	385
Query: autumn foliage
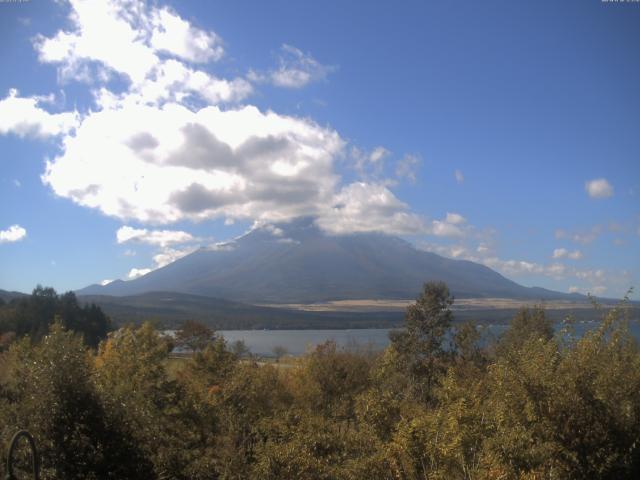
438	403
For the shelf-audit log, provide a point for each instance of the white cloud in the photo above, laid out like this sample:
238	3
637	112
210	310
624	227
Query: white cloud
143	43
172	80
169	156
137	272
592	276
574	289
161	238
378	154
105	282
444	229
369	164
176	36
451	226
170	255
164	164
365	207
564	253
161	258
599	188
483	249
559	253
582	236
455	219
296	69
575	255
598	289
17	183
459	176
23	117
103	30
14	233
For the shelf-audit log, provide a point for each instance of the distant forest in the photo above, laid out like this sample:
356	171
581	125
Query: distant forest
436	404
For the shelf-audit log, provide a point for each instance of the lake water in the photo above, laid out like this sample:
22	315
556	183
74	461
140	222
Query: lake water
297	342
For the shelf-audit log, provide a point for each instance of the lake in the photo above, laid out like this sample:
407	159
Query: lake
297	342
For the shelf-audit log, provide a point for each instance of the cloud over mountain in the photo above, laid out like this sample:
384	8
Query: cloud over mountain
180	146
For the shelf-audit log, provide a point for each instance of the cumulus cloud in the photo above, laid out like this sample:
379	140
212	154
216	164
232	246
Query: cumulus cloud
458	176
176	36
14	233
451	226
599	188
364	207
24	117
143	43
161	238
295	70
166	164
169	158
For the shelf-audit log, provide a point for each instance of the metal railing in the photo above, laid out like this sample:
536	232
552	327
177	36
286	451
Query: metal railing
35	463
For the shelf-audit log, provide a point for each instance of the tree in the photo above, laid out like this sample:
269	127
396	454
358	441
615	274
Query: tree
279	351
52	395
34	314
138	395
240	349
194	336
420	346
528	323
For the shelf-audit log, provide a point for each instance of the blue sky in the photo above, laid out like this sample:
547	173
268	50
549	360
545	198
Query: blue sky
502	132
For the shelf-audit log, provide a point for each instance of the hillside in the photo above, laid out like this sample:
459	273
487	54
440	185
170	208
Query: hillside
170	309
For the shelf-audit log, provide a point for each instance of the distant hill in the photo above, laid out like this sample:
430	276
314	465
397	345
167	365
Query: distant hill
8	296
171	309
297	262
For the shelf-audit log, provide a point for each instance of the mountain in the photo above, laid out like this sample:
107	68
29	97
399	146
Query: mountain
299	263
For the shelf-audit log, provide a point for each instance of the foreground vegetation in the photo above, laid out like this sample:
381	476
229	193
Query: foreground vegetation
433	405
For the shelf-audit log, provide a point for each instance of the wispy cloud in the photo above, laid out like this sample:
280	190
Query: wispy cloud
580	236
296	69
564	253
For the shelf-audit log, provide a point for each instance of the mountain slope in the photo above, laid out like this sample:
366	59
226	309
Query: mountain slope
299	263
